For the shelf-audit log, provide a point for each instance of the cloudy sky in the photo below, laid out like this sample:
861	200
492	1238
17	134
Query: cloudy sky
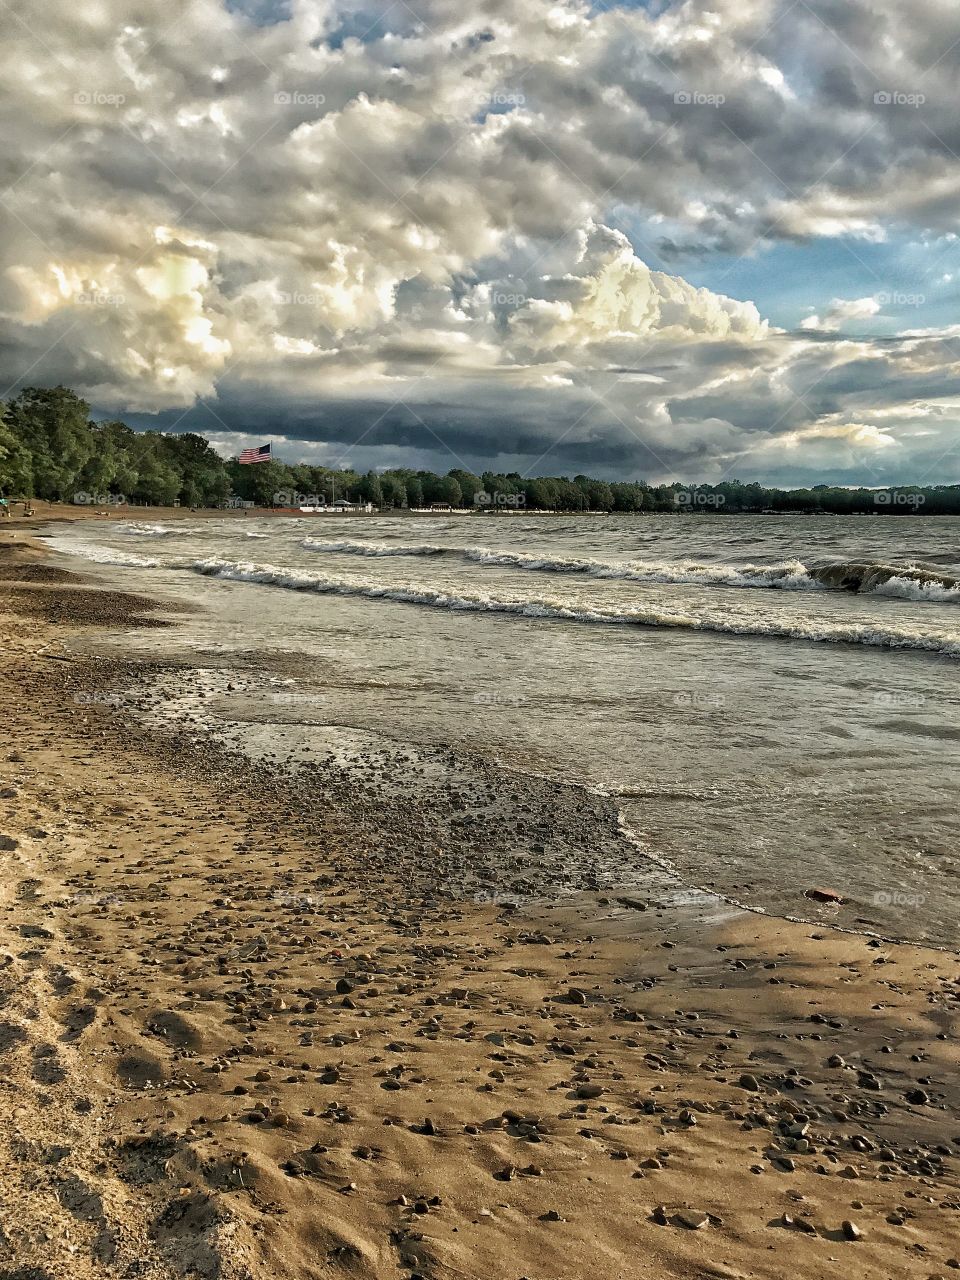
689	240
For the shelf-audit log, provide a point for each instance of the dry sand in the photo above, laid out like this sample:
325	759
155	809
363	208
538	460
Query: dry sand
236	1043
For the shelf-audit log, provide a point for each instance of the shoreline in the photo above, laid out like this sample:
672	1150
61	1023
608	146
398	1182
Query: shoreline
64	513
374	1080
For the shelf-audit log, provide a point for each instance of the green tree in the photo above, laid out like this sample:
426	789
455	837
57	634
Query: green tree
16	470
469	485
53	427
371	489
450	491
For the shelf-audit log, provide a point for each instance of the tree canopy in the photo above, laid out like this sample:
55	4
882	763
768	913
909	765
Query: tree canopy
51	448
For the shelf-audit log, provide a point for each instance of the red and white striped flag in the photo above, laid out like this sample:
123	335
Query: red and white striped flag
262	454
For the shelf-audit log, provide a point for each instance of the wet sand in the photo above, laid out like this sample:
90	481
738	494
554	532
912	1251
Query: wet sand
268	1022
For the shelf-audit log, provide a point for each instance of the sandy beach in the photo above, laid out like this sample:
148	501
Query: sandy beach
252	1028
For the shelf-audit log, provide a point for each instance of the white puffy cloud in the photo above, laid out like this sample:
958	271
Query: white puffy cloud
360	221
840	312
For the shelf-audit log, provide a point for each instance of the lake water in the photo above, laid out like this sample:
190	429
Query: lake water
772	700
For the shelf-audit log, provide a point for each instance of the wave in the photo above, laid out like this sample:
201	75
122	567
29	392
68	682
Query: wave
534	607
104	555
911	582
138	529
373	548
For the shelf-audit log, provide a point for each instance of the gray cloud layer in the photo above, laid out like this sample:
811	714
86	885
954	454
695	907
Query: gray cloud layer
384	235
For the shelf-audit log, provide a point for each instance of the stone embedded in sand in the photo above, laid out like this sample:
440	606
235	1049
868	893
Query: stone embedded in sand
799	1224
918	1097
589	1090
824	895
850	1230
749	1082
576	996
8	844
692	1219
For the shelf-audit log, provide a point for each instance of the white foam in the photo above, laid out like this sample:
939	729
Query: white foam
787	575
138	529
344	547
545	607
901	588
103	555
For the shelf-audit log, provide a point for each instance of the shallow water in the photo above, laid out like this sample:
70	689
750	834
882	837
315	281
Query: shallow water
763	730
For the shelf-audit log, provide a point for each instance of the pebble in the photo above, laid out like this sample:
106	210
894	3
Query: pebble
692	1219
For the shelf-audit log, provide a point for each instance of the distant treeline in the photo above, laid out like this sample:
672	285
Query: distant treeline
49	448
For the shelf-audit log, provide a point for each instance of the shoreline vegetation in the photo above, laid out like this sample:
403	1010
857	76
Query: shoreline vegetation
50	449
252	1027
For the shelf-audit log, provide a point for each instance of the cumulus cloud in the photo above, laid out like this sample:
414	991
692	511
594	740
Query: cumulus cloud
840	312
390	232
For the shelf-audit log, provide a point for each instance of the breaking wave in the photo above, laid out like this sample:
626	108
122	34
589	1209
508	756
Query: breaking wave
909	582
544	607
104	555
374	548
138	529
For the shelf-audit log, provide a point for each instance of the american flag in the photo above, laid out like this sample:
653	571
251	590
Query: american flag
256	455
